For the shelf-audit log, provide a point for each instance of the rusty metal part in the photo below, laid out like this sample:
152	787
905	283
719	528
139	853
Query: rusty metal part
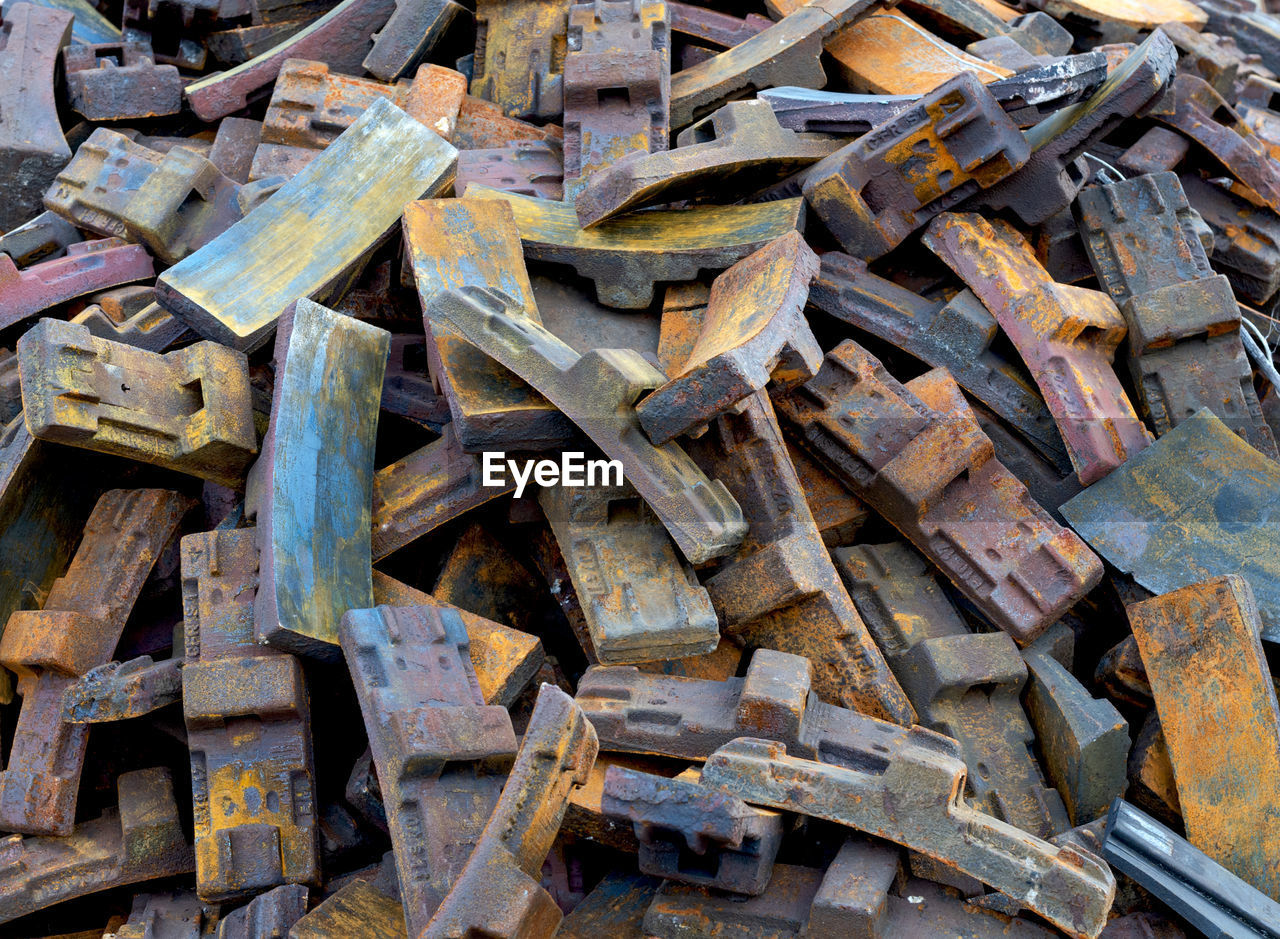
233	147
497	892
904	785
679	910
32	147
1151	782
1254	31
410	32
504	659
248	728
520	53
526	167
688	718
190	410
956	334
1203	115
1246	238
89	266
311	105
174	203
753	333
1223	729
312	502
787	53
149	328
1084	740
918	63
45	237
740	148
714	28
119	81
440	751
837	512
77	629
627	257
615	908
953	142
1184	323
341	38
458	243
1108	21
119	691
426	489
1037	32
1187	509
1216	59
176	915
350	210
641	602
407	390
598	391
482	125
1067	336
617	85
695	835
366	907
934	476
779	590
140	839
964	685
268	915
1054	174
585	816
1122	676
1202	892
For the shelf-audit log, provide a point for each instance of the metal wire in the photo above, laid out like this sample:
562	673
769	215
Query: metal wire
1255	344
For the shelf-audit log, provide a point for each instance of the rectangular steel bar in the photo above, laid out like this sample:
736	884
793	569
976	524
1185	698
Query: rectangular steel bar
958	334
598	391
779	590
953	142
32	147
713	27
48	235
504	659
525	167
1204	893
311	105
88	266
312	500
837	512
248	728
520	52
787	53
1084	740
366	907
641	601
497	892
905	786
119	691
410	32
1183	320
625	258
680	910
1189	508
190	410
739	148
456	243
1066	335
120	81
1053	176
482	125
964	685
342	37
693	834
1223	727
935	477
140	839
351	195
269	914
615	907
617	85
77	629
440	752
233	146
753	333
